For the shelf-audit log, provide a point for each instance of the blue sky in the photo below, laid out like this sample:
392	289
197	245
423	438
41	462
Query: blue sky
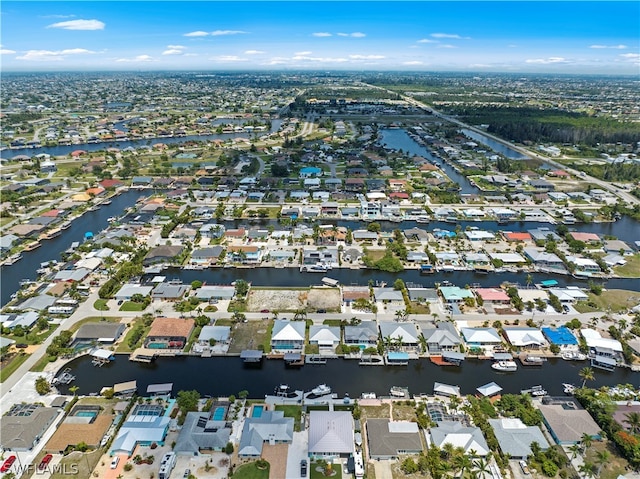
510	36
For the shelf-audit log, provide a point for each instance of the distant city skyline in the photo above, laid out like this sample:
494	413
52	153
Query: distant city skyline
580	37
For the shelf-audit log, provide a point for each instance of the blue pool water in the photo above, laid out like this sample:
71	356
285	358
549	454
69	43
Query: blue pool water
218	413
257	411
86	414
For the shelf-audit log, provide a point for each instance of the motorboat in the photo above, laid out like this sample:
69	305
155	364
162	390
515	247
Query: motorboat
534	360
398	392
321	390
505	366
282	390
536	391
568	388
368	395
574	356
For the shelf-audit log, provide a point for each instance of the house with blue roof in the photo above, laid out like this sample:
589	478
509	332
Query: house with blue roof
454	294
310	172
271	427
562	337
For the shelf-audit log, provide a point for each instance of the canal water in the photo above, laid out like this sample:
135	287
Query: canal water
400	140
67	149
94	221
494	145
222	376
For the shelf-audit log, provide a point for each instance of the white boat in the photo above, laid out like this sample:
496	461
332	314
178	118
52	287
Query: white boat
505	366
398	392
536	391
321	390
369	395
574	356
568	388
282	390
534	360
13	259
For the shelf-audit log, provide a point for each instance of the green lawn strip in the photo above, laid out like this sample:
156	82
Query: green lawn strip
10	368
31	338
101	305
631	269
251	471
292	411
317	471
132	306
123	347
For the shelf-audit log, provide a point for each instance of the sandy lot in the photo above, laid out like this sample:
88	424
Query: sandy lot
276	300
324	298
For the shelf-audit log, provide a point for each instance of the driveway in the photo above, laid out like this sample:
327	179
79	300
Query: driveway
383	469
298	450
276	456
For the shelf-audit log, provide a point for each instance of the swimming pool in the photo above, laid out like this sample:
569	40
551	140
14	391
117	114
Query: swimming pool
257	411
219	413
87	413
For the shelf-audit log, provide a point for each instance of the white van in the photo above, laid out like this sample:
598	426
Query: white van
114	462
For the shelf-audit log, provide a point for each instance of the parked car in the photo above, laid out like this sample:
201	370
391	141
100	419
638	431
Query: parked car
303	468
114	462
45	462
187	473
524	467
6	465
264	310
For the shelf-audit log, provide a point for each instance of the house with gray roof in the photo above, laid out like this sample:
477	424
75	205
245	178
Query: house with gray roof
206	256
25	425
364	334
271	427
331	434
469	438
443	337
568	421
515	438
288	335
200	432
542	234
211	292
423	295
161	254
169	291
326	337
220	334
103	332
128	290
389	296
6	242
405	333
391	439
37	303
542	259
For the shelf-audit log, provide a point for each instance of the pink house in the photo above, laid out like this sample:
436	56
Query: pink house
492	295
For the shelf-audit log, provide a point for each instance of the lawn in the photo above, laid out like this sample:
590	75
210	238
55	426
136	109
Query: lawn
132	306
250	335
83	463
123	347
616	300
101	305
316	471
631	269
15	362
292	411
614	467
251	471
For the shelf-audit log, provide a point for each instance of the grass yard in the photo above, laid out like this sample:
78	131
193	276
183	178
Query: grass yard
101	305
251	471
381	411
132	306
375	254
250	335
123	347
617	300
614	467
317	471
12	364
292	411
420	308
631	269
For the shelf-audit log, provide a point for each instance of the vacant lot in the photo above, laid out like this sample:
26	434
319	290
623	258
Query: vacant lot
277	299
381	411
324	298
631	269
249	335
617	300
402	412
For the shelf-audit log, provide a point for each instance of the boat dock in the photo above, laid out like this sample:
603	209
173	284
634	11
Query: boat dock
64	378
528	360
100	357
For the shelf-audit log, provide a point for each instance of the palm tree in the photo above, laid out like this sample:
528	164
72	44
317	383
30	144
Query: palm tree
633	420
300	315
575	450
587	375
74	389
588	469
481	467
529	280
586	440
602	457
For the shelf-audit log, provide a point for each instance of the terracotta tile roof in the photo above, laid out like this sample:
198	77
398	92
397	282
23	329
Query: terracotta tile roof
171	328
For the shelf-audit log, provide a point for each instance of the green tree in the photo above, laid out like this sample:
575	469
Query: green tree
586	374
42	386
187	401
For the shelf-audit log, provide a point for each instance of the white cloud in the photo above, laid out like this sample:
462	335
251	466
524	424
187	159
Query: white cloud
367	57
320	59
321	34
217	33
229	58
454	36
58	16
479	65
547	61
413	62
353	35
6	51
630	55
174	50
49	55
614	47
446	45
254	52
79	25
198	33
427	40
138	59
302	54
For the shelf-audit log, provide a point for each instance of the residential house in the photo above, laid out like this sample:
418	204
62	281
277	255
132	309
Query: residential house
389	296
364	335
388	440
202	432
146	425
543	260
169	333
326	337
443	337
169	291
561	337
271	427
288	336
481	338
129	290
515	438
22	428
331	434
492	296
206	256
454	294
567	421
162	254
245	254
524	338
469	438
403	335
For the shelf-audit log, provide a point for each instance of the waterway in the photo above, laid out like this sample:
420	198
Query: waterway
94	221
64	150
222	376
494	145
398	139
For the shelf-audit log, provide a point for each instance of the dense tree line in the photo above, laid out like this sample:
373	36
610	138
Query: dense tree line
557	126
